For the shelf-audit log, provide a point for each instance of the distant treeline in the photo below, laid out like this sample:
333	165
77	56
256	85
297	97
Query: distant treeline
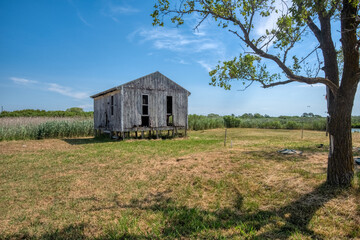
71	112
307	121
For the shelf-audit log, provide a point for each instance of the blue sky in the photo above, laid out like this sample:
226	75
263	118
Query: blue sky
54	54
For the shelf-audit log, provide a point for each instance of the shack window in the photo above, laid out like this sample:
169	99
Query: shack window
112	105
145	99
145	105
145	120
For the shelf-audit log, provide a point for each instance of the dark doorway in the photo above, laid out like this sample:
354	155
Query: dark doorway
169	111
145	121
169	107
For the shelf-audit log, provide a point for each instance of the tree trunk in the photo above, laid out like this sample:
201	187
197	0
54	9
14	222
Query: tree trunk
340	161
340	170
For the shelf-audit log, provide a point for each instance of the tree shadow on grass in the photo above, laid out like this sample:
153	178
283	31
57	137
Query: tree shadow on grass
192	222
97	140
73	231
276	156
283	222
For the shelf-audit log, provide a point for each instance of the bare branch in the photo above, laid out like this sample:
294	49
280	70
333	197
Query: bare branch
251	17
268	42
276	83
306	80
237	34
292	45
309	54
199	23
247	86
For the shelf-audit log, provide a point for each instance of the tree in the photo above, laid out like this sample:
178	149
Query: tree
258	115
295	21
308	115
75	110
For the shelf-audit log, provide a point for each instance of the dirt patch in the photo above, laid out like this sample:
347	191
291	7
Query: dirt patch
28	146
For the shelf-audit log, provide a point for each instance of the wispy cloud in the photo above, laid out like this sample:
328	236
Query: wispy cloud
204	49
82	19
114	10
86	106
205	65
66	91
117	9
177	60
23	81
174	40
78	14
270	22
52	87
311	85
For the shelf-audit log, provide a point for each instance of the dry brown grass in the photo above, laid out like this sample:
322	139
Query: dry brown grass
185	188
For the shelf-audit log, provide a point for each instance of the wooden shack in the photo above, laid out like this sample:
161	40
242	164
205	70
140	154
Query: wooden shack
150	103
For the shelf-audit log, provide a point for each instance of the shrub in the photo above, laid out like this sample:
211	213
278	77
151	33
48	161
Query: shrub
292	125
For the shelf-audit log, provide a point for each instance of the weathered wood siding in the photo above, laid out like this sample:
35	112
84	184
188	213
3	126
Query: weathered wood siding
102	107
128	104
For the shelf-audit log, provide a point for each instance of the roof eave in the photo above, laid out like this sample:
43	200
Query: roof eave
105	92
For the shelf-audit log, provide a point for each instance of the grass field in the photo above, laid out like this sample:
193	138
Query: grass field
26	128
193	188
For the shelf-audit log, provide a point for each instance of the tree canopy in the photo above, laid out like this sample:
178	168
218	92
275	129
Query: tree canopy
295	20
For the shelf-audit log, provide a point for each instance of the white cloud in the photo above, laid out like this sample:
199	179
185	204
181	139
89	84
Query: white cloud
311	85
174	40
112	10
53	87
205	65
177	60
22	81
117	9
66	91
269	23
86	106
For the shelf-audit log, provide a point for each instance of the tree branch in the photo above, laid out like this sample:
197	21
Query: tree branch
252	81
199	23
276	83
334	6
292	45
246	38
314	29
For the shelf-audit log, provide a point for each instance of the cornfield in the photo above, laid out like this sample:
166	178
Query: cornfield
40	128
